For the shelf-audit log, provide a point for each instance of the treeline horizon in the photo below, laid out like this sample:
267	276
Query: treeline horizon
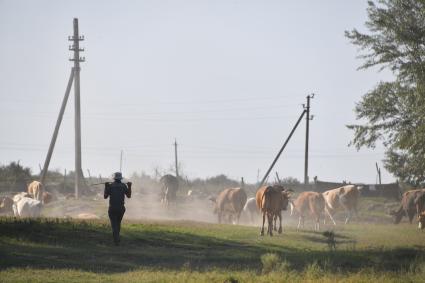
15	177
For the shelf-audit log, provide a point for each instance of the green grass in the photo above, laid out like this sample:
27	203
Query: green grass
310	274
56	250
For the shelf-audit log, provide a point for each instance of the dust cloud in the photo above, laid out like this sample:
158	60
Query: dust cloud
145	204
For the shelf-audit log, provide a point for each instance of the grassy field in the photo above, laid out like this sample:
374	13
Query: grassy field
53	250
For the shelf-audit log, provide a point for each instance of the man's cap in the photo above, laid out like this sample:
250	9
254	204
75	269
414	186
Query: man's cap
117	176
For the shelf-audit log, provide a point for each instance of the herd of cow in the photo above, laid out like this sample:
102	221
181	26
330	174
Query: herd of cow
26	204
269	201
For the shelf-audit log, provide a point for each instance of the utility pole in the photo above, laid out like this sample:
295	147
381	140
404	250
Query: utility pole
74	77
121	161
76	38
64	181
378	170
56	131
282	148
307	130
175	158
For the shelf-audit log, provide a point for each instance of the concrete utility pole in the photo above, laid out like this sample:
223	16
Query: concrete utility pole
76	38
282	148
175	158
64	180
307	130
121	161
56	131
378	170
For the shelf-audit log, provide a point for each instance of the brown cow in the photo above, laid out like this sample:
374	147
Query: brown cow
309	202
35	189
271	200
169	188
230	202
407	206
48	197
6	205
345	197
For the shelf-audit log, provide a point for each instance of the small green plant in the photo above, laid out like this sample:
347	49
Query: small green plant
417	266
273	263
313	270
285	267
270	261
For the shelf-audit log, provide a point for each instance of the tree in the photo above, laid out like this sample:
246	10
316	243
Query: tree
14	177
291	181
394	112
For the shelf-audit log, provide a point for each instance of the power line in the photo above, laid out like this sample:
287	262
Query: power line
150	103
185	112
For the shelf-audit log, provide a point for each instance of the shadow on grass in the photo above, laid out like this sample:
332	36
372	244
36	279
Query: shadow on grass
319	237
88	246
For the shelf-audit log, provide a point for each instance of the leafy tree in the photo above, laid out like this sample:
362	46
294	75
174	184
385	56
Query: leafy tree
394	112
14	177
222	181
291	180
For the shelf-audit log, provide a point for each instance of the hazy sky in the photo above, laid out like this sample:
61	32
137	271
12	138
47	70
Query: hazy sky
227	79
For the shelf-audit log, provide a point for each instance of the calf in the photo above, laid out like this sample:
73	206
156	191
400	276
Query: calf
250	209
48	197
35	189
6	205
309	202
230	202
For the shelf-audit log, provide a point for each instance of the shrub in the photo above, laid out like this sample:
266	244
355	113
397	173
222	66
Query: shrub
313	270
270	262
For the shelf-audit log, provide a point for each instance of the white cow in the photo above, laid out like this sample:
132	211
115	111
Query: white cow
345	197
250	209
20	195
26	207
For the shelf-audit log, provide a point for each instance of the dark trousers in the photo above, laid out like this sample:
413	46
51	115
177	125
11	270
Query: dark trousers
115	215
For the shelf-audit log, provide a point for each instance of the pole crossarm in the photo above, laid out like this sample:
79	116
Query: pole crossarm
81	59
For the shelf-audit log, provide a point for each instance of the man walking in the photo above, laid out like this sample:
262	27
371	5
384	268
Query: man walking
116	191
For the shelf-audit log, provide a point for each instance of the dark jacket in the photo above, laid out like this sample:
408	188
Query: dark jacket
116	191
